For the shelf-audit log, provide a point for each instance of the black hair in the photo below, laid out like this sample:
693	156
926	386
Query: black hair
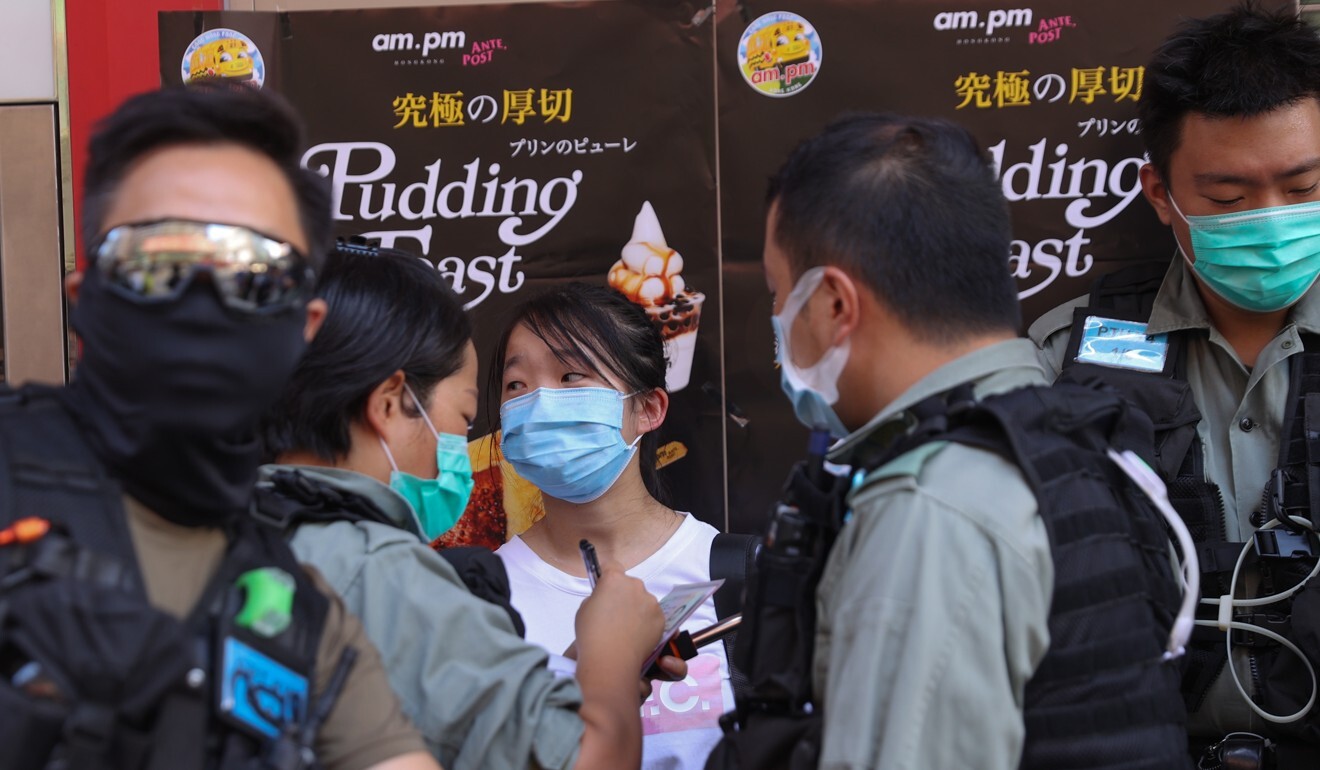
910	207
594	327
1246	62
387	312
213	112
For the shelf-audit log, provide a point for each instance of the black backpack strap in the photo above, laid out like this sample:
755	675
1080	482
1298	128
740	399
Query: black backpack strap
732	556
486	578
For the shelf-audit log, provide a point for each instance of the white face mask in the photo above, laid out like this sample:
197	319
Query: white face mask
814	389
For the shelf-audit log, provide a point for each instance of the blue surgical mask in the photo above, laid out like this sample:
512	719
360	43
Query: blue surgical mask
1261	260
813	389
567	441
438	502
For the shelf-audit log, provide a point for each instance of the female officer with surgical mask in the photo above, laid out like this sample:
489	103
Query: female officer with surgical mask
371	445
581	372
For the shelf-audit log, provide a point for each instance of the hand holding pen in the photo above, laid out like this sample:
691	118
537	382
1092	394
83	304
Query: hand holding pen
667	667
590	561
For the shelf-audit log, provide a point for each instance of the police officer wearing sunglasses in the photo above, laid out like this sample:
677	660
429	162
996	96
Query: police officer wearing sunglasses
145	621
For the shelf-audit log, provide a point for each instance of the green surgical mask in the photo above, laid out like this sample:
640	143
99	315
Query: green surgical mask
1261	260
440	501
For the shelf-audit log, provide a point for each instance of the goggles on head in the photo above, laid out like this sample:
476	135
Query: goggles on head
157	261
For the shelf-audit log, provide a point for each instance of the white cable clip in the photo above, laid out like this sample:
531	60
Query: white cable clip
1227	604
1149	482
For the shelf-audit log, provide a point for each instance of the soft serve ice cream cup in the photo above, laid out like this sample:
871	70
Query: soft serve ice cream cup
650	274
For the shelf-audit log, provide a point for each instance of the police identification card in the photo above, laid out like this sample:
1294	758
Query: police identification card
259	692
1121	344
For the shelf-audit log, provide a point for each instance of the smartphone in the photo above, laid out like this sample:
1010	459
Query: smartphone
678	605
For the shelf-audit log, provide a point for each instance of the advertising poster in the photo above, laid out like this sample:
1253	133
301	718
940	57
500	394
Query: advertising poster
1049	88
514	147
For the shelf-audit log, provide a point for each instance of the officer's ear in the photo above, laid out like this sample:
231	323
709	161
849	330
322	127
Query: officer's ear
316	310
73	285
385	405
843	302
1157	192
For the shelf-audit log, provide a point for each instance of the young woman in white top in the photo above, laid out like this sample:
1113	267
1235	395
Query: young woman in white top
582	373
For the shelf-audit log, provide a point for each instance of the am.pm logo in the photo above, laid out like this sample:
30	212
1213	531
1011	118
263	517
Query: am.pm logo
404	42
993	21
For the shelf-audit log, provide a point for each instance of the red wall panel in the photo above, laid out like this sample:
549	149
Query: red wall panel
112	55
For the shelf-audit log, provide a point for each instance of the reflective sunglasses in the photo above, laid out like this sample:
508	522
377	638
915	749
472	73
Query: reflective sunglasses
157	262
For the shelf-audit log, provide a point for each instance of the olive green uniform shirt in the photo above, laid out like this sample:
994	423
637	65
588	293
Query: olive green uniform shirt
480	694
1242	413
934	604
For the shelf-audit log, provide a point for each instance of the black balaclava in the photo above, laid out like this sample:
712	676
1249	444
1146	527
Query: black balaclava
170	394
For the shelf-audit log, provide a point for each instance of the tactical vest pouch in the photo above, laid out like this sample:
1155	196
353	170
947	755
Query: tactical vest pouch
775	726
84	666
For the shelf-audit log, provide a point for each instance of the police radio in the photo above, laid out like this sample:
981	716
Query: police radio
775	642
793	532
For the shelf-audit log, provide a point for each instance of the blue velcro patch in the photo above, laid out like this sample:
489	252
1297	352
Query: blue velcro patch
260	692
1122	344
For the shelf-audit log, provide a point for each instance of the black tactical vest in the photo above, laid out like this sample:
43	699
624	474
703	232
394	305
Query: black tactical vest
1283	555
92	676
1102	697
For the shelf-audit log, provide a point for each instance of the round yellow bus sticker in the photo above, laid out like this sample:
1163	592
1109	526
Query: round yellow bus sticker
779	54
223	53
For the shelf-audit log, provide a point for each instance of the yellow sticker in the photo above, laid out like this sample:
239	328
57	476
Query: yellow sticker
669	453
223	53
779	54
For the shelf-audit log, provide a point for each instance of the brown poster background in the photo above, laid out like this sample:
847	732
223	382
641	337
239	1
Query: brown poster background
418	115
1048	87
